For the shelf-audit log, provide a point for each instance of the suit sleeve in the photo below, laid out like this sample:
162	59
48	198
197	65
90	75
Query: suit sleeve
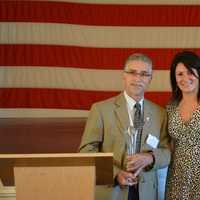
162	154
93	134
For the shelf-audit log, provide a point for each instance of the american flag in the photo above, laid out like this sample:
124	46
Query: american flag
57	57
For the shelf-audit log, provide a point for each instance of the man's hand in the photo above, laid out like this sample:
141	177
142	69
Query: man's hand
126	178
137	162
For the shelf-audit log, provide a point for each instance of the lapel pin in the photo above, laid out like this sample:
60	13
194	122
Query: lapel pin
147	119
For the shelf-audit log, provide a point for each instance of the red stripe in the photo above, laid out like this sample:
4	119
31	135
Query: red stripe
80	57
94	14
62	99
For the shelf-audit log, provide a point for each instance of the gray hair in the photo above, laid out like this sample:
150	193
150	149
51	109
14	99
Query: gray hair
137	56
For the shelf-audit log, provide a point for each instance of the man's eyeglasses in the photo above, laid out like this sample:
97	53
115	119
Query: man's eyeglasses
142	74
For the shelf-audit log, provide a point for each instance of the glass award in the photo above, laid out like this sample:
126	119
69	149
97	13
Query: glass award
131	136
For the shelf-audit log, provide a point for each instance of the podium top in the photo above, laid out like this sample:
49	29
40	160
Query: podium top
103	162
53	155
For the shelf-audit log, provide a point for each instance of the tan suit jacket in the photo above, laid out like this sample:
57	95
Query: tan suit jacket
104	132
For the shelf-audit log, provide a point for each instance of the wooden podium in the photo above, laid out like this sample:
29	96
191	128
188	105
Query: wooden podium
59	176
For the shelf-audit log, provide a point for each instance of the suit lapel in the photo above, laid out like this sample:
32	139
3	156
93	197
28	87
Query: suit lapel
123	118
147	121
122	113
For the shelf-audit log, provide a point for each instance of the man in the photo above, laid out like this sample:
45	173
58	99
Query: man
107	125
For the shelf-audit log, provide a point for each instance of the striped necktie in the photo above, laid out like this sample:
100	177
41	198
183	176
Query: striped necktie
138	121
138	125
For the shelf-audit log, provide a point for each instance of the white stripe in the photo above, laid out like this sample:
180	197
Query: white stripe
73	78
22	113
79	35
148	2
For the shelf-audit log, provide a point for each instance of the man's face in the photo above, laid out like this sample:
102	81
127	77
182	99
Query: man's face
136	78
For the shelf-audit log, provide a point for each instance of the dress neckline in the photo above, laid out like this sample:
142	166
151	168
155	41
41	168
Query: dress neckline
186	122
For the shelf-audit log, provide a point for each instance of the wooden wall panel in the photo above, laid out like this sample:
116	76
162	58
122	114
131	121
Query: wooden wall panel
38	135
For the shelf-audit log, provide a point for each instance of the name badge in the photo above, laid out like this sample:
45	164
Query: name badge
152	141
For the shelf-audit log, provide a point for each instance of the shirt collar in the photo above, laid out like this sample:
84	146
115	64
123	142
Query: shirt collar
131	102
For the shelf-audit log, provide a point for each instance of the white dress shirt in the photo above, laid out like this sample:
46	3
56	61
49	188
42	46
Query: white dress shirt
131	106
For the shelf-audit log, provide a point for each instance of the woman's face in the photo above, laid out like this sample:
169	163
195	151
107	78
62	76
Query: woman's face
186	81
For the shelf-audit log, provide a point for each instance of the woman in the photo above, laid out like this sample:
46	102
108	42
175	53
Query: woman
183	181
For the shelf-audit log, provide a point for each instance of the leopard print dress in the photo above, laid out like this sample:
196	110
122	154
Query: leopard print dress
183	182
